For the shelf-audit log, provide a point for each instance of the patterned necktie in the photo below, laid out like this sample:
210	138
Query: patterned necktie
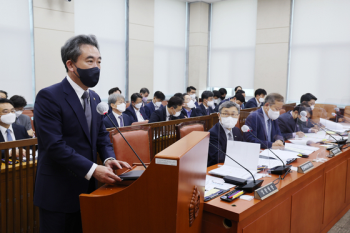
121	121
230	136
87	109
269	129
9	137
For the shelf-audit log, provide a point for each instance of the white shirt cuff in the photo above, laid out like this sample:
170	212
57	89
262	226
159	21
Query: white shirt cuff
91	171
310	130
294	134
110	158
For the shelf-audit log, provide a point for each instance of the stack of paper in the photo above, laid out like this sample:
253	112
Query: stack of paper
332	125
215	182
302	149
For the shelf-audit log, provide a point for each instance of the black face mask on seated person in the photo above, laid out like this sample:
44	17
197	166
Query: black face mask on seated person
89	77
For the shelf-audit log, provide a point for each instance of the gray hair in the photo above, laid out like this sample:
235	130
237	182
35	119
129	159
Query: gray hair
114	98
229	104
273	97
71	49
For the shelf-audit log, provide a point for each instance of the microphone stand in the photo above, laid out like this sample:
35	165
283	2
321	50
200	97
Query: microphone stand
279	170
135	174
249	187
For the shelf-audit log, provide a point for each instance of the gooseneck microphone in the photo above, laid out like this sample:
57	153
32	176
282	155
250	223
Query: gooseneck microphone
249	187
102	109
279	170
339	142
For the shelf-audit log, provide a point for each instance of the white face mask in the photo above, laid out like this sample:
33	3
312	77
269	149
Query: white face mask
217	101
273	114
229	122
303	119
8	118
18	113
121	107
158	104
312	107
138	106
261	100
193	97
191	104
177	114
211	103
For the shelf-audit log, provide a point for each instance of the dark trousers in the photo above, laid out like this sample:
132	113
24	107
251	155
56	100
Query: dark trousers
56	222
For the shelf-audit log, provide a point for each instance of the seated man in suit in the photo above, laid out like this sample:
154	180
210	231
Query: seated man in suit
207	106
114	90
223	93
3	94
223	131
135	111
258	100
9	130
292	124
191	91
242	92
264	124
19	103
238	99
217	98
155	104
119	118
171	112
144	92
189	108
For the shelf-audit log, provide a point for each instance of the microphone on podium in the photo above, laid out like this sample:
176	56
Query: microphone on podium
279	170
102	109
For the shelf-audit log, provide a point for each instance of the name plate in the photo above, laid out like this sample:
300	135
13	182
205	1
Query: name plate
265	191
305	167
334	152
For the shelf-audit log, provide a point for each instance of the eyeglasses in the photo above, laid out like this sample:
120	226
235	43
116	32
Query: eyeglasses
231	115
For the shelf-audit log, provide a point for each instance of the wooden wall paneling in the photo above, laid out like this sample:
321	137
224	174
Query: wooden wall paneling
348	183
335	188
276	220
307	207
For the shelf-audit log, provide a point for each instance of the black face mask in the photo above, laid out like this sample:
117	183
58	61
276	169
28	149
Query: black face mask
222	97
89	77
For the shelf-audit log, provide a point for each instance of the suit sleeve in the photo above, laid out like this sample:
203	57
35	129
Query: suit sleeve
28	123
248	105
154	117
213	152
198	112
107	123
147	111
48	122
284	130
251	121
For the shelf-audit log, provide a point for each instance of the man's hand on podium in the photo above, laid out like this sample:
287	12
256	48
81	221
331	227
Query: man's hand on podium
105	175
117	164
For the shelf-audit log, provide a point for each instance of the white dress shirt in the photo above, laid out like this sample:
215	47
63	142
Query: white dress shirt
80	91
4	134
138	115
167	114
117	117
257	102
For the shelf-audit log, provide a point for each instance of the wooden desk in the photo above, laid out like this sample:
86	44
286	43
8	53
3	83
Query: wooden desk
311	202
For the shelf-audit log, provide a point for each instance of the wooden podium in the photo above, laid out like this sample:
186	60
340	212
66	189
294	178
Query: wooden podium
168	197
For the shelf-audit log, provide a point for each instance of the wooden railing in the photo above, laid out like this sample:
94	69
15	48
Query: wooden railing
17	211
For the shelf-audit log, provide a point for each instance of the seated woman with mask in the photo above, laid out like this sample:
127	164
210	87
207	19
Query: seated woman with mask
223	131
120	119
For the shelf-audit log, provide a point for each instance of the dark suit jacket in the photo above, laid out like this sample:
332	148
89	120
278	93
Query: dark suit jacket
130	111
126	119
196	112
288	125
217	106
67	150
160	115
20	133
219	139
149	109
257	123
251	103
203	111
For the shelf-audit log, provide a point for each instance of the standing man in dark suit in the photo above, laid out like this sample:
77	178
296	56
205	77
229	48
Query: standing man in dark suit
223	131
191	91
70	134
189	108
155	104
135	111
9	130
292	124
207	106
171	112
258	100
264	123
119	118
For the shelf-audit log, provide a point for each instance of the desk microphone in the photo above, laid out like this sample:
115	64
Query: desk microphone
250	187
102	109
279	170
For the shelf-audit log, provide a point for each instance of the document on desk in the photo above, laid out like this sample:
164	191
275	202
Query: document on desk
215	182
283	154
331	125
305	150
245	153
